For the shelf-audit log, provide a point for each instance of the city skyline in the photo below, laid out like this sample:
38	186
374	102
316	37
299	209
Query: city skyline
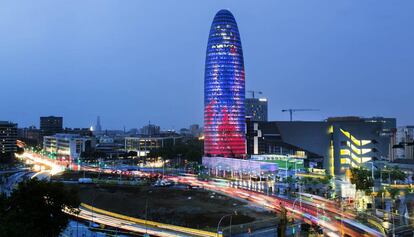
73	62
220	118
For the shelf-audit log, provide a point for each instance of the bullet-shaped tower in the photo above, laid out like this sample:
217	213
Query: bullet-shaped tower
224	90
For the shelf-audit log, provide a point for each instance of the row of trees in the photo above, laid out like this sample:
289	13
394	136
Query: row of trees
35	209
393	173
362	177
363	181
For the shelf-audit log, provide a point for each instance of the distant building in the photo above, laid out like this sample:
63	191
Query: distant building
185	132
256	109
31	136
133	131
196	130
143	145
51	125
404	143
193	131
80	131
150	130
336	144
66	146
110	146
8	136
98	127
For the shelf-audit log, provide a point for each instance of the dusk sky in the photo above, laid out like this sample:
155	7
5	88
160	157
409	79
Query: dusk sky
133	61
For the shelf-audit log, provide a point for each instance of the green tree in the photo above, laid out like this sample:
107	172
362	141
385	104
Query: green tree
35	209
362	179
281	228
191	150
393	192
326	179
397	174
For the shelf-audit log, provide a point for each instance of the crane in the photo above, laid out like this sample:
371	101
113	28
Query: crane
252	92
296	110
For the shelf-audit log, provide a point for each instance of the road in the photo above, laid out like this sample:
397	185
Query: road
126	225
318	211
13	180
269	232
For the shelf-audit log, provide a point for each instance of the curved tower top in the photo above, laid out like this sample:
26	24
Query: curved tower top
224	90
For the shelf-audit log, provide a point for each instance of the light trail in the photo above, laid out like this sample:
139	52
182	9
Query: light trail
309	211
124	224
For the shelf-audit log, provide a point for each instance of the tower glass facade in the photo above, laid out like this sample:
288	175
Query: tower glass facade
224	90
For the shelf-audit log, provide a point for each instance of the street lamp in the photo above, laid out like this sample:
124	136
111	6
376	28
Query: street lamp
228	215
300	201
146	213
372	168
373	180
286	167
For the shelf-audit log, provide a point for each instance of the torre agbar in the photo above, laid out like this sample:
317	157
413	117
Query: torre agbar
224	90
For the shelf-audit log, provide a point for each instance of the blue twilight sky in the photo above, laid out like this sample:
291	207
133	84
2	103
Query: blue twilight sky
131	61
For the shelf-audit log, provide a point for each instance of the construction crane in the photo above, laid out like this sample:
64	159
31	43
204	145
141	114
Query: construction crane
296	110
252	92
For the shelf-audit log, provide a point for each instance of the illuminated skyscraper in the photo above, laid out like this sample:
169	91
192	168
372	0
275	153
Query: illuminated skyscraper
224	90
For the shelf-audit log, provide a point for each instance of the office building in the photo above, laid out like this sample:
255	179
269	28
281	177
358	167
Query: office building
150	130
31	136
143	145
66	146
8	137
224	90
335	144
110	146
51	125
85	132
404	143
196	130
256	109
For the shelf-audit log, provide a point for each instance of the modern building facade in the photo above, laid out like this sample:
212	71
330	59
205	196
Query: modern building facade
150	130
335	144
256	109
404	143
51	125
143	145
224	90
31	136
67	146
8	137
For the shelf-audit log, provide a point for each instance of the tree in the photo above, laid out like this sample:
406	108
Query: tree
397	174
393	192
191	150
35	208
326	180
362	179
283	220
